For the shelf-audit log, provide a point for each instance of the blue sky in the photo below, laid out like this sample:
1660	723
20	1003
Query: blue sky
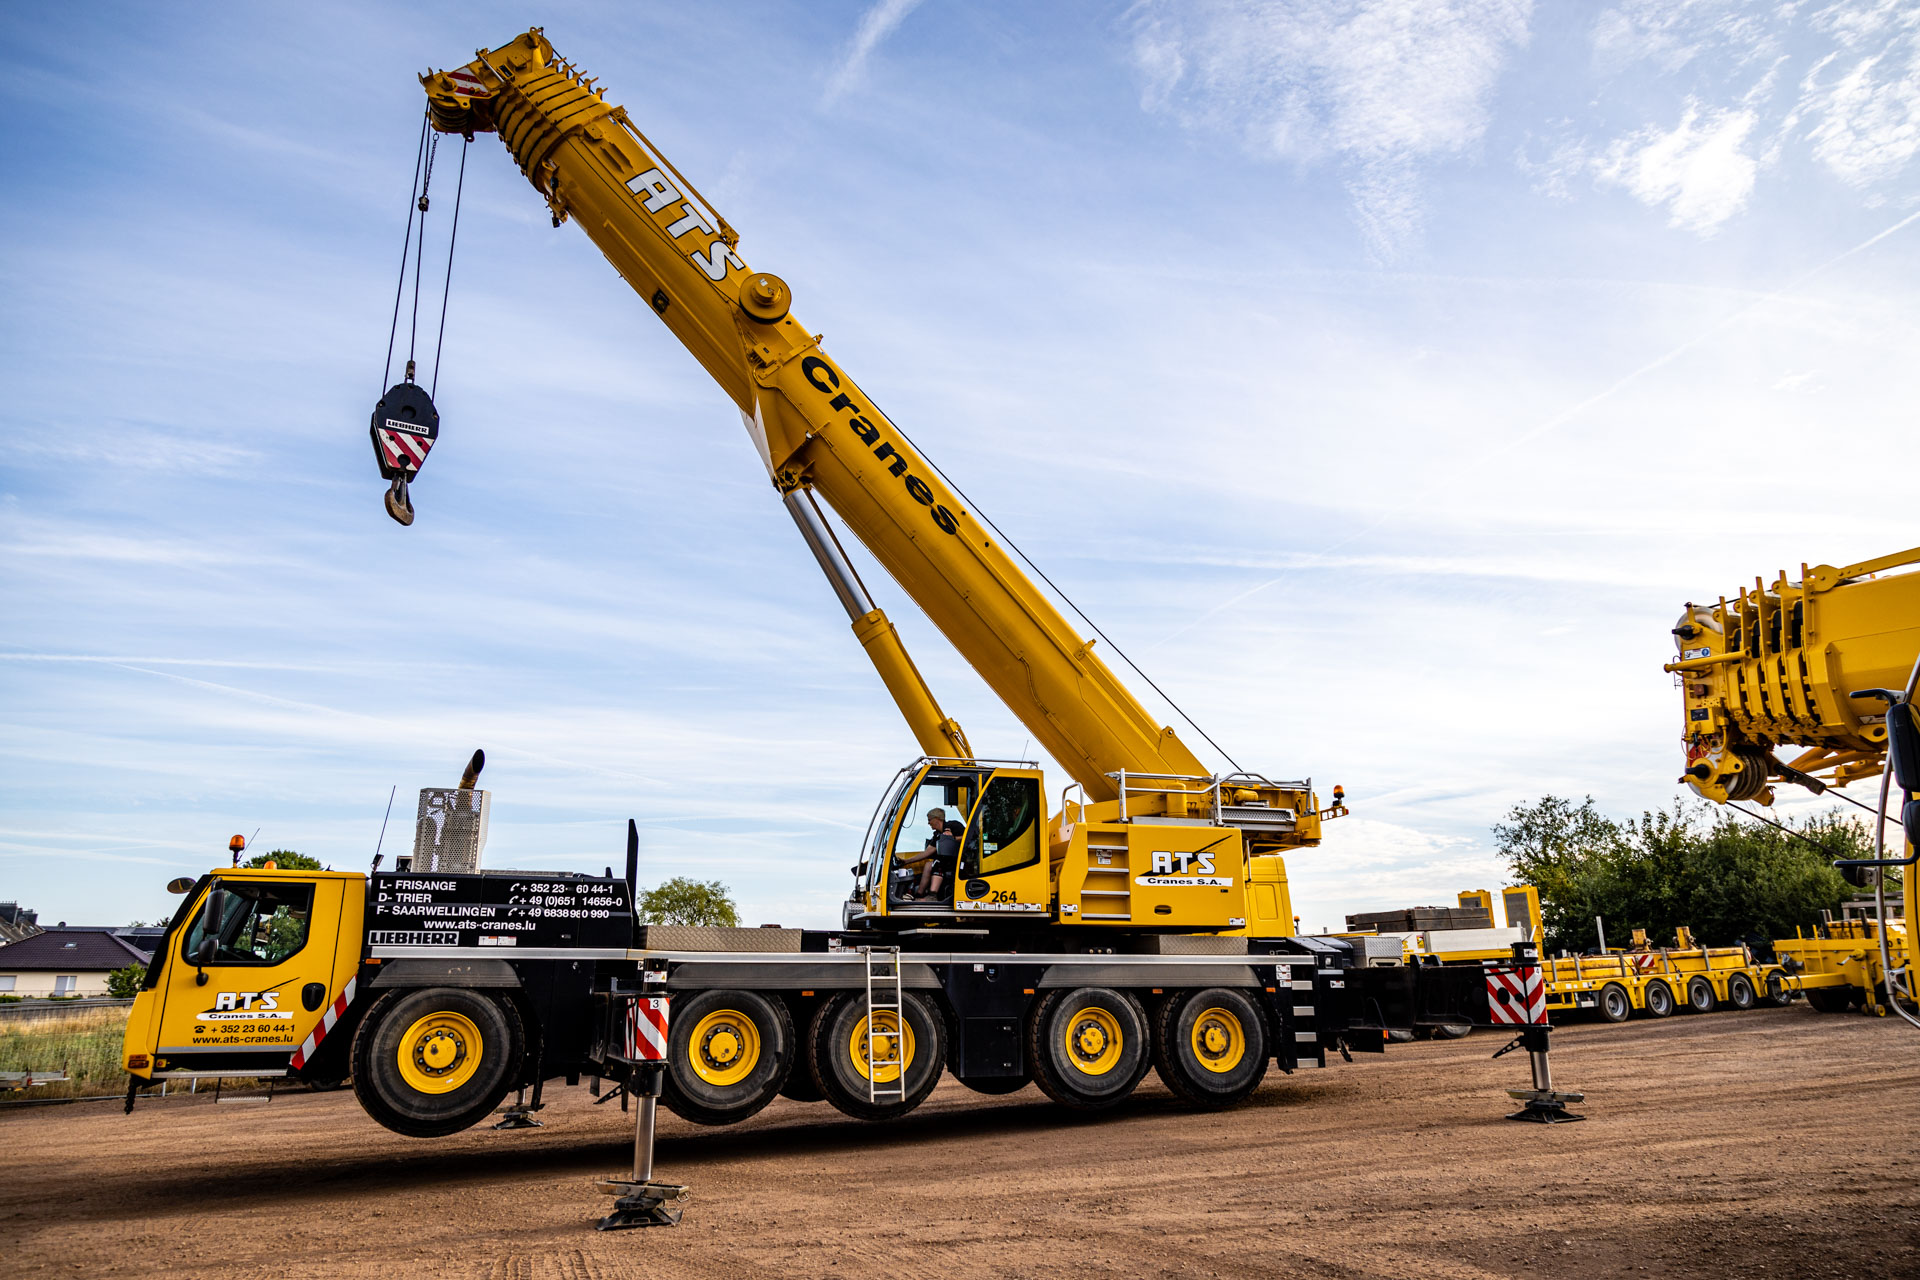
1383	376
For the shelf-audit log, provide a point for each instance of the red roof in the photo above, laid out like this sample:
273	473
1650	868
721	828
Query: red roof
69	951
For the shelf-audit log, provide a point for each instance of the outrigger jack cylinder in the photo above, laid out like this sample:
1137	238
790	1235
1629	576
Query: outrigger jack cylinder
1543	1103
642	1201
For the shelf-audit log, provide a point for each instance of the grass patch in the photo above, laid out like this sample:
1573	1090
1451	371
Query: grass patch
85	1044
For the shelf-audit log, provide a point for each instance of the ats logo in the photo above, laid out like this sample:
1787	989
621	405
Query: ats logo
243	1006
658	194
245	1000
1184	869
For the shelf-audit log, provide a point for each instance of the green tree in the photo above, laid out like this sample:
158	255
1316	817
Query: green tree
684	901
124	984
1720	874
286	860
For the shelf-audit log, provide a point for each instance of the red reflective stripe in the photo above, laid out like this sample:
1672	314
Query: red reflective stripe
334	1012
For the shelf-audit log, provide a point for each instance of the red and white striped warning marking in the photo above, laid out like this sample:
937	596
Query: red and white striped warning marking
403	450
1645	962
335	1011
1516	997
465	82
647	1029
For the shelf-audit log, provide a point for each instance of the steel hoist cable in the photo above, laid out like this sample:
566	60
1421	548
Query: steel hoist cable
1063	595
405	422
406	246
420	246
446	289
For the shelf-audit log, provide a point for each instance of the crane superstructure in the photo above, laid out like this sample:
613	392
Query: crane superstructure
1154	839
1828	663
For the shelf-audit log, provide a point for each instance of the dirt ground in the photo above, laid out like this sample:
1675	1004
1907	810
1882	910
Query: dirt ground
1770	1143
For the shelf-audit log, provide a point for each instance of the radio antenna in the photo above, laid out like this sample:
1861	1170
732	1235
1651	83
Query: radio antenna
383	828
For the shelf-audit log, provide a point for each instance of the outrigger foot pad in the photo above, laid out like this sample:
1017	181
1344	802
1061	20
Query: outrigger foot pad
518	1120
640	1204
1545	1106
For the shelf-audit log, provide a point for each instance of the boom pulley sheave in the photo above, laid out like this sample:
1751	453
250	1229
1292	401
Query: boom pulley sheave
405	422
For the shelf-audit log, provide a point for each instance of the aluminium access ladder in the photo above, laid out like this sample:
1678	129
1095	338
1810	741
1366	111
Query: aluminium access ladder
885	1049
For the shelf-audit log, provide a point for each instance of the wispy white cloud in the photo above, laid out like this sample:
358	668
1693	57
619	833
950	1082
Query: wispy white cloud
1867	117
1379	87
1700	169
1855	111
876	24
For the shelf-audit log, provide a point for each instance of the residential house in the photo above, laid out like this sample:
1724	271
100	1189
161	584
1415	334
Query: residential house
64	961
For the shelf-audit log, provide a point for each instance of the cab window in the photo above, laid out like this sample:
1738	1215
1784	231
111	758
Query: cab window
1005	832
263	923
948	794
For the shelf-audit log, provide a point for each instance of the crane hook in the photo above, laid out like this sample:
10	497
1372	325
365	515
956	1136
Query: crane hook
399	505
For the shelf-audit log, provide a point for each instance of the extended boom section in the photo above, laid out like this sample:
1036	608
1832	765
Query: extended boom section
1103	860
813	426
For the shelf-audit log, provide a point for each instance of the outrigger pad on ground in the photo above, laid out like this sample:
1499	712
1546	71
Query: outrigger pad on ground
1545	1106
641	1204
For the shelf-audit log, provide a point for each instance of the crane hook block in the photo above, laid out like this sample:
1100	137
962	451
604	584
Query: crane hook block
405	425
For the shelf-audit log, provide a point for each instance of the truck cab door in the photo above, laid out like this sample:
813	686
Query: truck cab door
1003	863
270	966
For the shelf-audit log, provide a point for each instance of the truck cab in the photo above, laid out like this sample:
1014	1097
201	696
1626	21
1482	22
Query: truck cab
247	966
436	992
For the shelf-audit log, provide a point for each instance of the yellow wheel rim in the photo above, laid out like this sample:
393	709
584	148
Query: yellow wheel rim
1219	1040
725	1047
892	1047
1093	1040
440	1052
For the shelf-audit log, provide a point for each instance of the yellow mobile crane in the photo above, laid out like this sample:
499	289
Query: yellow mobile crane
1146	837
1829	663
1146	925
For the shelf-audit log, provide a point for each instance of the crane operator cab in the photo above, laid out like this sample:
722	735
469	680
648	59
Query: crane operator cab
1170	854
998	864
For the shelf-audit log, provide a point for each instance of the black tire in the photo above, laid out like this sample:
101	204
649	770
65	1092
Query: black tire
464	1051
1700	997
1211	1047
1112	1052
1660	1001
1779	989
995	1086
1453	1031
1614	1004
1830	999
1740	993
728	1055
836	1054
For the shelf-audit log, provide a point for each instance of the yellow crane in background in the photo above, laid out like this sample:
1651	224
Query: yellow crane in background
1830	664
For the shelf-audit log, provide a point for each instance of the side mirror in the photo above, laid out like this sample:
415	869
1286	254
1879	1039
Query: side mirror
214	915
179	884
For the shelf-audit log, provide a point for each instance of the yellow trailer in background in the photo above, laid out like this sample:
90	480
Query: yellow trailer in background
1838	965
1657	981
